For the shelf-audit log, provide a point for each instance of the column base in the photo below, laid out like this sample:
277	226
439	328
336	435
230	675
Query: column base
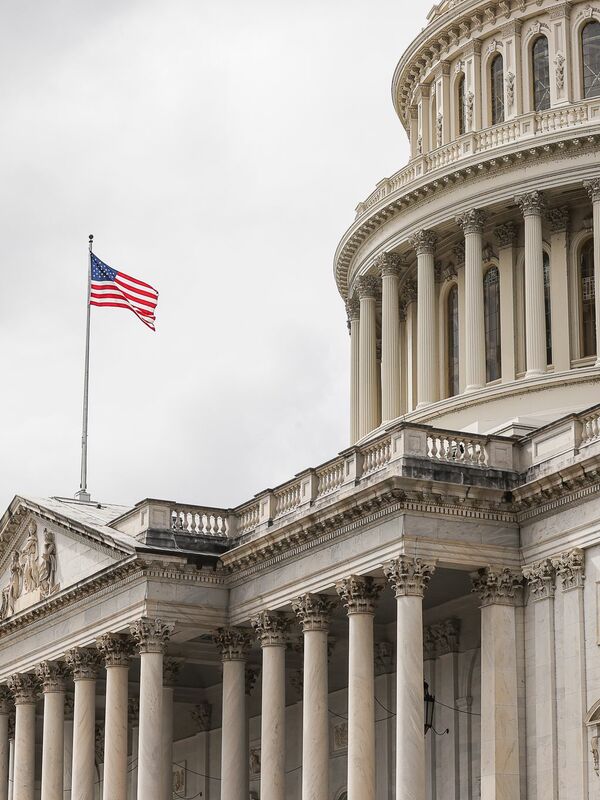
474	388
423	404
535	373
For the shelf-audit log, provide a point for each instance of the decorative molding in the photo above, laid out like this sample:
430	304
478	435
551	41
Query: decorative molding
353	308
558	218
458	251
384	658
593	189
313	611
408	577
540	577
84	663
271	628
359	593
506	234
53	676
24	687
6	700
497	586
233	643
509	80
559	71
424	242
201	716
151	635
116	649
251	676
171	669
441	638
570	568
471	221
531	203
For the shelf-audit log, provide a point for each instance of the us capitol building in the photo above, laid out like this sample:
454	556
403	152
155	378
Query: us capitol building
418	617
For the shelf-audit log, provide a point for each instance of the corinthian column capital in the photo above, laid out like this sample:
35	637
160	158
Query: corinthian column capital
116	648
84	663
271	628
313	611
497	586
531	203
24	688
506	234
408	576
359	593
423	242
388	264
540	577
570	568
592	187
233	643
6	700
151	635
471	221
558	218
353	308
367	286
52	675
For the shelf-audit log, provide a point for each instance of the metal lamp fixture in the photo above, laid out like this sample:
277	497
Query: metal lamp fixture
429	701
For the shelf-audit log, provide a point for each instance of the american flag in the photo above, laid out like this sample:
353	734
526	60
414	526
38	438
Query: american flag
115	289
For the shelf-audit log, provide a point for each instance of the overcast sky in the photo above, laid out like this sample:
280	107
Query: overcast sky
216	149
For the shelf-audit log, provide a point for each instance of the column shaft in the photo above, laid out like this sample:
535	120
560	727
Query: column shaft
234	745
115	733
361	708
272	767
84	740
475	374
354	323
167	742
559	290
390	342
424	244
53	746
596	215
150	765
24	767
315	726
4	755
367	356
532	205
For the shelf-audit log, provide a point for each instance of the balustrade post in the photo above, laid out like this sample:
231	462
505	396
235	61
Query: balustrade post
593	188
424	244
353	311
472	225
532	206
368	289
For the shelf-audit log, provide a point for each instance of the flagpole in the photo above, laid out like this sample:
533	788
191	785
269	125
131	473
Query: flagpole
83	493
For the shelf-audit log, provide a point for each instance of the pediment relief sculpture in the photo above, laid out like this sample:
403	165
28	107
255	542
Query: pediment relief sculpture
32	575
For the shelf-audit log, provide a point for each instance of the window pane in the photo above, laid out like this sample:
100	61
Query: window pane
497	81
587	299
541	74
491	307
591	59
452	339
547	308
462	106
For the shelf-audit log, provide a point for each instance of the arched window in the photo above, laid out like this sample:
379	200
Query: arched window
461	101
547	308
587	300
491	311
590	52
497	88
540	68
452	341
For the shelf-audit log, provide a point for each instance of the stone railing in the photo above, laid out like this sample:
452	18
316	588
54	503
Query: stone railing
205	521
590	427
572	118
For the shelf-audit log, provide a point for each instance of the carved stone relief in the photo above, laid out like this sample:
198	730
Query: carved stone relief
32	575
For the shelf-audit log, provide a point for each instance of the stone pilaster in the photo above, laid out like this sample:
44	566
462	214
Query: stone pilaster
532	206
472	224
424	243
593	189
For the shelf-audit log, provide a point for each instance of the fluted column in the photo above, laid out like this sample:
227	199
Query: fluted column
53	678
540	577
233	644
6	706
313	612
271	630
171	667
84	663
368	288
353	311
570	572
500	770
424	244
475	374
593	188
151	637
116	650
532	206
389	265
359	595
24	688
409	578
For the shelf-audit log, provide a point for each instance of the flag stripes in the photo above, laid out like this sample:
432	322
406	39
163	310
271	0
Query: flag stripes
113	289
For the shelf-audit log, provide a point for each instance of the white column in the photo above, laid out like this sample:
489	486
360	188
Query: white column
151	637
53	678
84	664
24	688
353	310
271	631
429	656
446	715
424	245
359	595
593	188
507	235
500	769
570	570
11	761
408	578
233	644
171	667
389	265
532	206
68	742
313	612
116	650
6	706
472	225
368	288
540	577
133	721
558	219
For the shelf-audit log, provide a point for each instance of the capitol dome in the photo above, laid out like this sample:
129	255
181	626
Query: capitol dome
469	275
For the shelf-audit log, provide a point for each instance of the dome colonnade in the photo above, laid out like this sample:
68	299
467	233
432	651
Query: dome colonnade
477	264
